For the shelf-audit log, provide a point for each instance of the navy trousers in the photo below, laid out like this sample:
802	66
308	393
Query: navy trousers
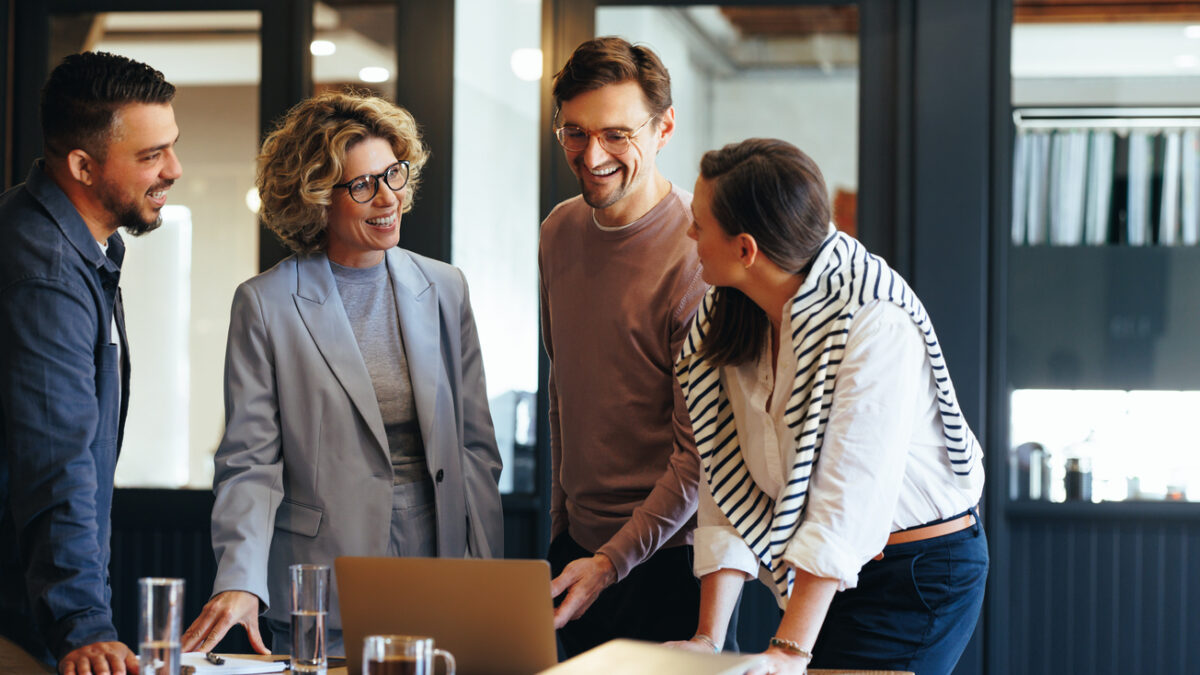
915	609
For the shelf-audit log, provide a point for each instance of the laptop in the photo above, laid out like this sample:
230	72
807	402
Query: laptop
495	617
633	657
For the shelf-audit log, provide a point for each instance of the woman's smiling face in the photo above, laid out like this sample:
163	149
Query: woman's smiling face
358	234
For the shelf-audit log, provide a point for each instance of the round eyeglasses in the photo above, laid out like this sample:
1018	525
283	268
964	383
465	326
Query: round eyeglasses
614	141
364	188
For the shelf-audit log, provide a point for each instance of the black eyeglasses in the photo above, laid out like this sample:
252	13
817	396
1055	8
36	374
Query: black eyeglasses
364	188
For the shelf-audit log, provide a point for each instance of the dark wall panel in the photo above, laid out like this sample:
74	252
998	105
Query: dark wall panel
1109	591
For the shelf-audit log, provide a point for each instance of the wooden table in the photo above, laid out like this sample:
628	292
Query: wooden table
812	671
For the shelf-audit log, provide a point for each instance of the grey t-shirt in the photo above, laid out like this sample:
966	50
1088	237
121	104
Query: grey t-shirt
370	303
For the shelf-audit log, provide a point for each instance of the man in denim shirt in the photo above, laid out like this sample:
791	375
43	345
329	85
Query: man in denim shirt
64	363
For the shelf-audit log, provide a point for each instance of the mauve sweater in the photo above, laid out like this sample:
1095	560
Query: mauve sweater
616	306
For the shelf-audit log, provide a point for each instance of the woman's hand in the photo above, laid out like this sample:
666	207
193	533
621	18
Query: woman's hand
696	644
221	613
779	662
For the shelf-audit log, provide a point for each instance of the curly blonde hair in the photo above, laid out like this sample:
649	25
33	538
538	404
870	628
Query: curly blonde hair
304	157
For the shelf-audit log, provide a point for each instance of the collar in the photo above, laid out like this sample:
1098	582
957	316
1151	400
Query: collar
67	218
315	278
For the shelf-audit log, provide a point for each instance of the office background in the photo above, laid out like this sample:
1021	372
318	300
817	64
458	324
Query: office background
907	104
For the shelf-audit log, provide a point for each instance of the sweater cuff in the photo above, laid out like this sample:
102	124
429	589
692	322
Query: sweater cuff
621	560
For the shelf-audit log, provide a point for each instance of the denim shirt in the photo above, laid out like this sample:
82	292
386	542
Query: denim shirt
63	397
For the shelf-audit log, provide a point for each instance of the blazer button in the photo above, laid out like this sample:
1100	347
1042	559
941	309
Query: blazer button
440	475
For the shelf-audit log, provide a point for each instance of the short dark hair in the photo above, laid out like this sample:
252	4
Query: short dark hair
612	60
774	192
83	95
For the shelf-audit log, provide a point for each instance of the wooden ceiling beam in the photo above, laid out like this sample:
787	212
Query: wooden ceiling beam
1104	11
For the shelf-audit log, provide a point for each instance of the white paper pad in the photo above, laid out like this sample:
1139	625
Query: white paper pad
232	665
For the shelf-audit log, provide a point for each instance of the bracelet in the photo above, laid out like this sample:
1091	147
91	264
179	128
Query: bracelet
792	647
707	639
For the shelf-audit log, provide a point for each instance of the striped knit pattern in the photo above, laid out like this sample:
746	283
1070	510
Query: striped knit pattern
843	278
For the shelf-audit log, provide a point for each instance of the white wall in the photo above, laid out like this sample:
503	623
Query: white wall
815	111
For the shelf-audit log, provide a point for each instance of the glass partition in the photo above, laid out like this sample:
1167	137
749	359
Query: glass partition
741	72
498	66
178	282
354	45
1102	269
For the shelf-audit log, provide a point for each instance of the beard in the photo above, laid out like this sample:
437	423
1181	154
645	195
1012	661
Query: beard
596	200
127	213
596	197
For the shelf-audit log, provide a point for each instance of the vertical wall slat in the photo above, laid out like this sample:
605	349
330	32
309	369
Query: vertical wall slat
1104	595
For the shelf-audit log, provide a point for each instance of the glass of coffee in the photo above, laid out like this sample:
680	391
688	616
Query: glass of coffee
402	655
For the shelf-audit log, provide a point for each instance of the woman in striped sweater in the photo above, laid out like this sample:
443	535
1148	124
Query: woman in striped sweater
839	469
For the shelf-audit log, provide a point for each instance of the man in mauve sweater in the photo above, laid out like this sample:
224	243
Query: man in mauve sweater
620	283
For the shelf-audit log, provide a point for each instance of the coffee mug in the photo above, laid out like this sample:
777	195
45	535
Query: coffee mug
402	655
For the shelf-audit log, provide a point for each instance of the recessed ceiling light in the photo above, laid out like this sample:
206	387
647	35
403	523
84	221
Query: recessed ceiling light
322	48
1192	32
374	74
527	64
1186	61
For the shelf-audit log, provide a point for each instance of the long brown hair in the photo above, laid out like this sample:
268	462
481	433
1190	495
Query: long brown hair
771	190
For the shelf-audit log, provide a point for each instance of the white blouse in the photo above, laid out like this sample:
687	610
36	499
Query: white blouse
883	465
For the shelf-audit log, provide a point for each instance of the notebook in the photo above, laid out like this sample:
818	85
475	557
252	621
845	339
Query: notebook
495	616
631	657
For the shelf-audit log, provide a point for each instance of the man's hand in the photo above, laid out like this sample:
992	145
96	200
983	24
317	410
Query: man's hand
97	658
582	581
220	613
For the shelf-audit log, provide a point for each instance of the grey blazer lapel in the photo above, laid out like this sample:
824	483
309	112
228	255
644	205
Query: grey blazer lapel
320	307
417	306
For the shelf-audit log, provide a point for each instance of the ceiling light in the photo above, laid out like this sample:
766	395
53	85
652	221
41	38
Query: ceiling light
374	74
1192	32
322	48
253	202
527	64
1186	61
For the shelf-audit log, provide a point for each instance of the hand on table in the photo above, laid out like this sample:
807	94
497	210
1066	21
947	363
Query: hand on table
97	658
692	645
222	612
779	662
582	581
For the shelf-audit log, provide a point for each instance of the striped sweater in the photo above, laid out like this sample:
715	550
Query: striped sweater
843	278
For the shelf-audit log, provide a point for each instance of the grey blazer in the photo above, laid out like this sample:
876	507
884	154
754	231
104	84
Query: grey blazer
303	473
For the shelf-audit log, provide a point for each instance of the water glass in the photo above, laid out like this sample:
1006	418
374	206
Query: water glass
160	608
309	607
402	655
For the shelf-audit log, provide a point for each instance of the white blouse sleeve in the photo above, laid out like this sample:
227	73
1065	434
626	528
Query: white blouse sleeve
716	543
858	476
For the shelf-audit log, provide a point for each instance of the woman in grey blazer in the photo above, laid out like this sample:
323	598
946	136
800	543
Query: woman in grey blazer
357	419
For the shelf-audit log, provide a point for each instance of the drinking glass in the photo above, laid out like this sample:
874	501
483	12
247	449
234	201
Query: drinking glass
309	607
160	608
